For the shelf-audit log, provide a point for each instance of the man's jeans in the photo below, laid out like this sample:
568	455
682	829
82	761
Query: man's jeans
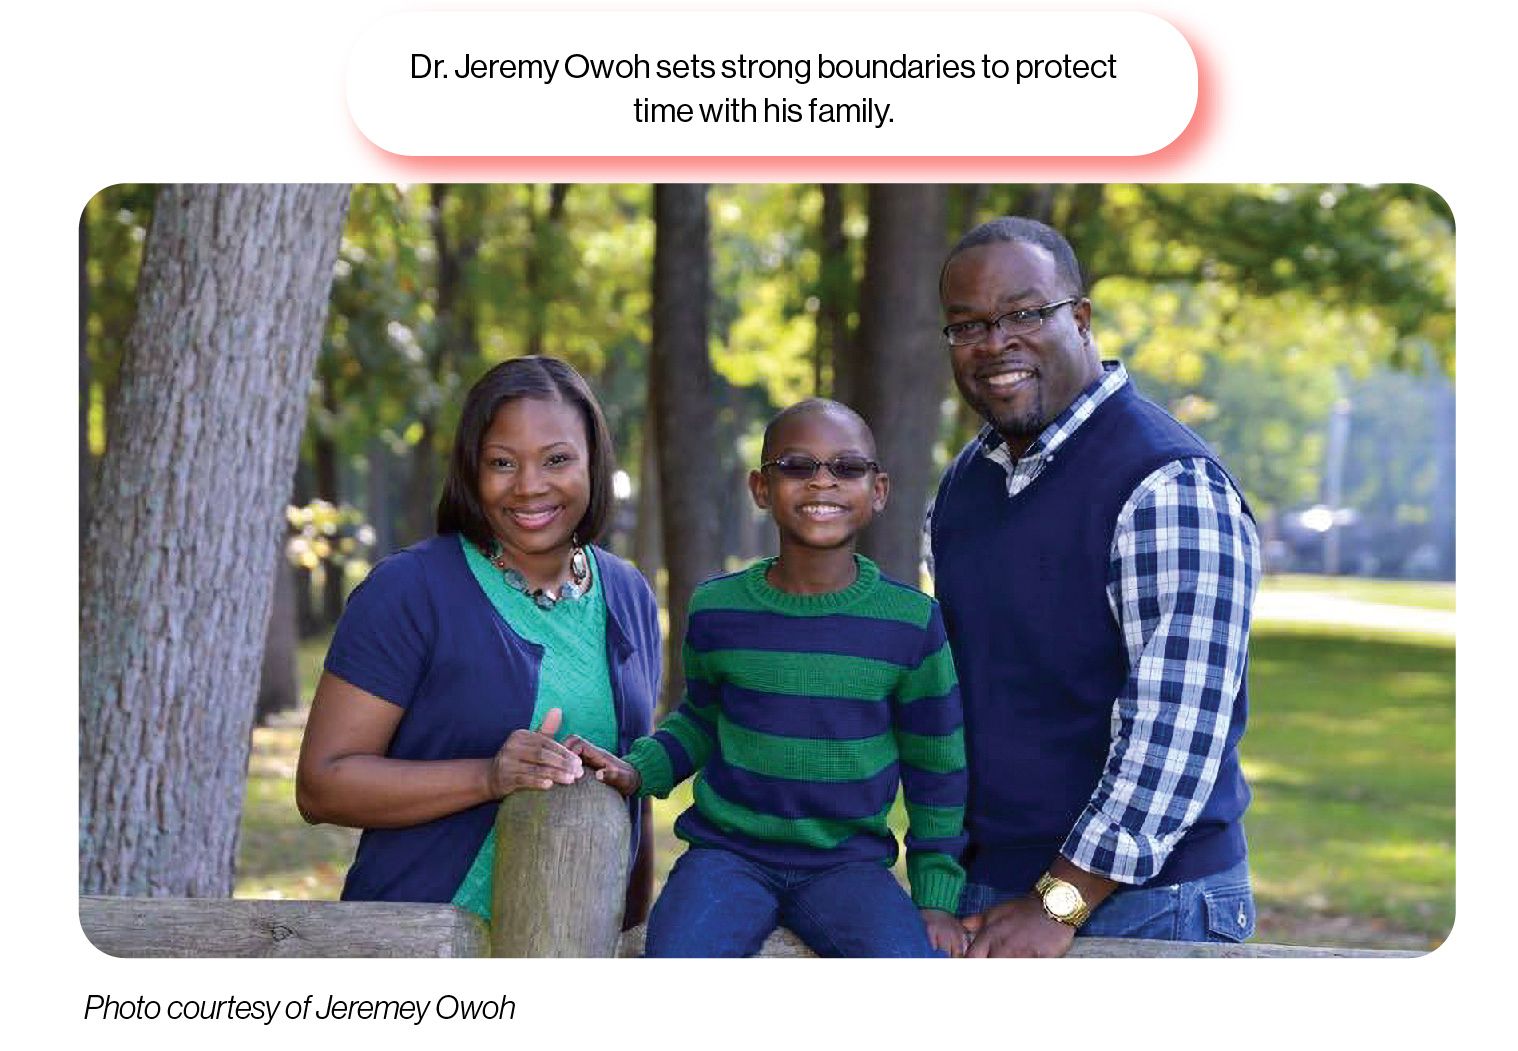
1216	908
716	903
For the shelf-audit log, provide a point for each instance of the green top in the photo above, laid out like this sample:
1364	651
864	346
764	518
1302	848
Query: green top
801	715
572	677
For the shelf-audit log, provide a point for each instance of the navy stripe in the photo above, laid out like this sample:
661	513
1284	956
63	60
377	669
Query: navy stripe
703	694
818	718
877	638
680	760
782	797
931	716
693	827
930	789
949	845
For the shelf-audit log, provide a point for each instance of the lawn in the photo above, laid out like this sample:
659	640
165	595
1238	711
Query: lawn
1350	751
1425	594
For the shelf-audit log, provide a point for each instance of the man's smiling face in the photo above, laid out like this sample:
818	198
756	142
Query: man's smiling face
1020	383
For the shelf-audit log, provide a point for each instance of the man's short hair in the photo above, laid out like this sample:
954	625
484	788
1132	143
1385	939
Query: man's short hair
1015	229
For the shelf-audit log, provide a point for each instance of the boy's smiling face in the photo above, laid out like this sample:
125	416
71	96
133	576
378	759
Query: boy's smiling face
822	511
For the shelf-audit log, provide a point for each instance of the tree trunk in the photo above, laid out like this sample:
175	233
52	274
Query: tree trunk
278	684
683	383
86	469
545	232
454	349
379	502
648	547
307	623
901	393
175	581
329	488
836	277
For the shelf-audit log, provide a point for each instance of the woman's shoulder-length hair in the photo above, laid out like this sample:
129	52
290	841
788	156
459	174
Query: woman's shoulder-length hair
544	378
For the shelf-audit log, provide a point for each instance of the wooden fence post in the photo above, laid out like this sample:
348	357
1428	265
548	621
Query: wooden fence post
560	875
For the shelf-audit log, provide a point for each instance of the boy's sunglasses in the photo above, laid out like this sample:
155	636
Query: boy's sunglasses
802	468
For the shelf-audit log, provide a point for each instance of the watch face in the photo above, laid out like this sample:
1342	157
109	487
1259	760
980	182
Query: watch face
1062	899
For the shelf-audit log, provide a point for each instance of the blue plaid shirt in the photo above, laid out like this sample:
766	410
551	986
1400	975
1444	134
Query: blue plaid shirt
1185	660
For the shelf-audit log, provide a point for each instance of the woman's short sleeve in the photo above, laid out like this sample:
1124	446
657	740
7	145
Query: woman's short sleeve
383	643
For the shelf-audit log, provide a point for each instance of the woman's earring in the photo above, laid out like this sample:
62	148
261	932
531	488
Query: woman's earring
579	565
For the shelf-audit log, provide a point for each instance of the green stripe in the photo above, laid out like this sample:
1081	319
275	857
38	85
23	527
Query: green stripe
649	758
824	833
934	677
939	755
885	602
935	822
806	759
891	602
936	880
813	675
728	592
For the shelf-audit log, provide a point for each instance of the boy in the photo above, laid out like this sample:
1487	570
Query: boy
813	686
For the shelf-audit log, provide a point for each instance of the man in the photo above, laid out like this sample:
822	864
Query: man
1096	566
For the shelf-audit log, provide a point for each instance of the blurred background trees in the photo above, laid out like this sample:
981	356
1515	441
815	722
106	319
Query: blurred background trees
1307	332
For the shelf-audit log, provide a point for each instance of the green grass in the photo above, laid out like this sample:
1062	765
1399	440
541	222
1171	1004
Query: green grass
1424	594
1351	755
1350	752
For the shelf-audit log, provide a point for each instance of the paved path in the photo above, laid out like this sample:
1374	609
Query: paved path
1316	608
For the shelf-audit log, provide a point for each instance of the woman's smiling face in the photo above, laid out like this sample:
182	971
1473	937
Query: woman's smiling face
534	483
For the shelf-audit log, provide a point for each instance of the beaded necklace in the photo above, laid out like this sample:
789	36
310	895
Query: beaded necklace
576	586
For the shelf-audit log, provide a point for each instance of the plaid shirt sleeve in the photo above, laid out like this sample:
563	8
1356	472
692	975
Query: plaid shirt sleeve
1181	579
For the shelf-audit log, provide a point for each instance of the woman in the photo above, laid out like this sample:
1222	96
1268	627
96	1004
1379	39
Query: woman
458	659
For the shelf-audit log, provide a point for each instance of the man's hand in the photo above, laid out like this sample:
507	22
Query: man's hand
1019	927
609	769
945	932
533	759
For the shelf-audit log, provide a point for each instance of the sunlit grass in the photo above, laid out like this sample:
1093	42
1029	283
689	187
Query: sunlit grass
1425	594
1351	755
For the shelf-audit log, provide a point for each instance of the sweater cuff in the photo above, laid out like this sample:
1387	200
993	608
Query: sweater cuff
657	774
937	883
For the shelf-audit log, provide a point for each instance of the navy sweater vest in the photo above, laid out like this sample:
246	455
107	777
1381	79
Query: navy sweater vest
1041	659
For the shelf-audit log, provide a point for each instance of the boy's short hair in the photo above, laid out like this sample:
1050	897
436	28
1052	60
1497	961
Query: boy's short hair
807	407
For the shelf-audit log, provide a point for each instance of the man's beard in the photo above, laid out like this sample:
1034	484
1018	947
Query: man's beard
1027	425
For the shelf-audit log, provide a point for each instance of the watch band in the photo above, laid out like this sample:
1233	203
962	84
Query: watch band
1062	900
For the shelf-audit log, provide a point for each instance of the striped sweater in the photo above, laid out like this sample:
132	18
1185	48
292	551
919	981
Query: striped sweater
803	713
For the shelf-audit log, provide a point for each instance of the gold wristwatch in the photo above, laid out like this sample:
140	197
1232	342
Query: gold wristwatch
1061	900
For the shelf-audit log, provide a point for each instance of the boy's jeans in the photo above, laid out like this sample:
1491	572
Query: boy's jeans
716	903
1216	908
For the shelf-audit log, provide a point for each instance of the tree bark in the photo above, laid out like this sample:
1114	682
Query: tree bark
836	276
454	350
278	687
329	488
86	467
683	383
175	581
901	394
648	540
379	504
545	232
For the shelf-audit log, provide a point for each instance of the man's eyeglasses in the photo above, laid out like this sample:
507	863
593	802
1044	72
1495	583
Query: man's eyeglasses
1013	323
801	468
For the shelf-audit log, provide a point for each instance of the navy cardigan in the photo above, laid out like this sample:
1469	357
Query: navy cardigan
420	633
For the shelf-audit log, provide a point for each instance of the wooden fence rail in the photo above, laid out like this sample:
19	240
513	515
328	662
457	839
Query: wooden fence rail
561	867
